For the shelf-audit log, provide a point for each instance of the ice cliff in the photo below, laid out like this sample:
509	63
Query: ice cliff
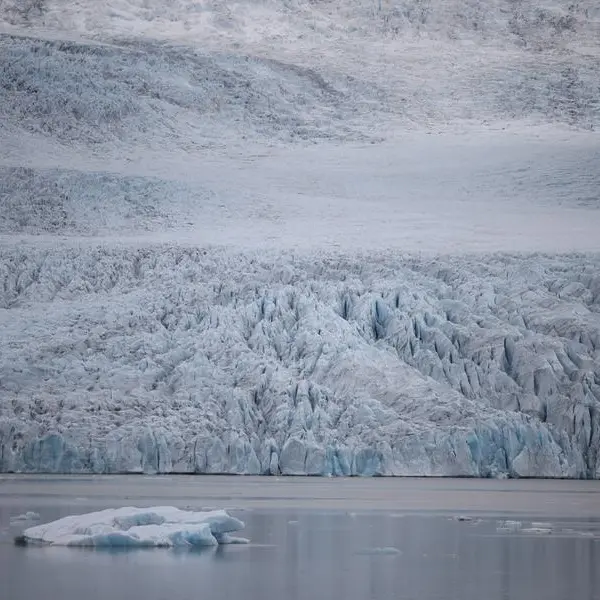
168	359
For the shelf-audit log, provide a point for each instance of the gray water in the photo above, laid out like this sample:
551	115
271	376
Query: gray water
306	552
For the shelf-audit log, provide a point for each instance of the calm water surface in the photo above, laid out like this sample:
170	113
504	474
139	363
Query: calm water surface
305	552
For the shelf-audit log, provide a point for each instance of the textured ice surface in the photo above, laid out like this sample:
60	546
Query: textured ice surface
172	359
136	92
162	526
57	200
220	123
191	75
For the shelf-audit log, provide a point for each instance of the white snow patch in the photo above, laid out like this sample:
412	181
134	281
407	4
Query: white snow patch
160	526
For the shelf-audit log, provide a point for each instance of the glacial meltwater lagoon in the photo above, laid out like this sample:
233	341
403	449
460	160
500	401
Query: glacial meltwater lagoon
318	539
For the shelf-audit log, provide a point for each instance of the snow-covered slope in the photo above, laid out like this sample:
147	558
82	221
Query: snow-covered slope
197	74
212	216
490	191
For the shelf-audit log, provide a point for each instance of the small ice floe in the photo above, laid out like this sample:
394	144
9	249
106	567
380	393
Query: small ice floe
579	533
466	519
385	551
541	525
292	522
537	530
159	526
28	516
508	526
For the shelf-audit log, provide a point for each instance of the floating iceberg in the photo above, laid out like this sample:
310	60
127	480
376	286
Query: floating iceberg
158	526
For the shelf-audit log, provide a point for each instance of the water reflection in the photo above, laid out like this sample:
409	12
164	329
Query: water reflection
322	556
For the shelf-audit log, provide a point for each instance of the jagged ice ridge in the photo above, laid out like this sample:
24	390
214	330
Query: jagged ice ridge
145	361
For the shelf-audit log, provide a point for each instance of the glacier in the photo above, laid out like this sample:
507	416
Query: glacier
296	237
131	527
183	360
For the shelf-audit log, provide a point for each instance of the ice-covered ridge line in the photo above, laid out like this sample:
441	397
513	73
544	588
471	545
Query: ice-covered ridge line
204	361
131	527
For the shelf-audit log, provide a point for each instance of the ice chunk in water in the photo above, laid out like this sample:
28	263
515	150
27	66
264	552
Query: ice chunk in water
385	551
161	526
508	526
28	516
